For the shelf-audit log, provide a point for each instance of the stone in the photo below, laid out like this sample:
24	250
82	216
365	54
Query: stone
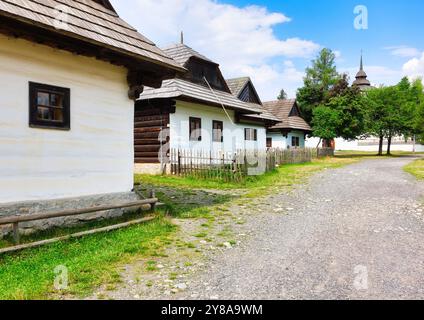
227	245
181	286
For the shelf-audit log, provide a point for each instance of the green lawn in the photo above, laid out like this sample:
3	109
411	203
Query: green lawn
416	168
91	261
286	175
97	259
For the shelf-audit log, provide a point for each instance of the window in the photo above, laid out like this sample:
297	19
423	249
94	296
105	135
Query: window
217	131
295	142
250	134
195	129
269	143
49	106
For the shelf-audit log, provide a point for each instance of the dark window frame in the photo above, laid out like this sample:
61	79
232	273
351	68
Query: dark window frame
248	134
269	143
199	121
220	126
295	142
34	121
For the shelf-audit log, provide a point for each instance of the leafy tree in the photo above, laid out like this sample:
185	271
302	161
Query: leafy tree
375	114
282	95
319	79
342	115
385	116
349	102
325	123
417	109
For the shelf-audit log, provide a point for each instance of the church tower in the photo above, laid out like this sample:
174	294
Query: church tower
361	78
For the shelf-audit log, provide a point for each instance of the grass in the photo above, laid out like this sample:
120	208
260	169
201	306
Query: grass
91	261
286	175
96	260
416	168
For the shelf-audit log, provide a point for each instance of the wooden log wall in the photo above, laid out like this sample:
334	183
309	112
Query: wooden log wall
149	121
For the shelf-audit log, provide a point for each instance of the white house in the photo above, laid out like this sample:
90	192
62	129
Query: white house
292	129
195	111
68	77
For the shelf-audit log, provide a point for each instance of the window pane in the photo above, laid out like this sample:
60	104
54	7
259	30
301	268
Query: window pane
43	99
57	115
43	113
195	129
56	100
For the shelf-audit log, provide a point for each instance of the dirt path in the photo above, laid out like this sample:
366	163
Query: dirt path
354	232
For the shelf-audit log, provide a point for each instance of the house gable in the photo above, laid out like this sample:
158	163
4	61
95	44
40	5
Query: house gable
199	69
295	111
249	94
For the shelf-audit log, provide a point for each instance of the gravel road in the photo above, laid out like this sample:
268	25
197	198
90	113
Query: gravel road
351	233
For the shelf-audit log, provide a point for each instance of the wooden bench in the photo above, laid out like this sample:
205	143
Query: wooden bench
15	220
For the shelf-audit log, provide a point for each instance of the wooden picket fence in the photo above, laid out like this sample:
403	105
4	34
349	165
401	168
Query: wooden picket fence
228	166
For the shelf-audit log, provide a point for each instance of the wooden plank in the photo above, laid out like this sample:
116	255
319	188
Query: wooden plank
76	235
147	160
66	213
142	142
150	124
16	235
147	155
147	135
148	130
148	148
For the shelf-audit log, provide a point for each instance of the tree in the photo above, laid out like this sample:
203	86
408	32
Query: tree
375	115
349	102
319	79
415	108
325	123
282	95
385	116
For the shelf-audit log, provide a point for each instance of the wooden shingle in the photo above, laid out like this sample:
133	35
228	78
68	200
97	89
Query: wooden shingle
92	21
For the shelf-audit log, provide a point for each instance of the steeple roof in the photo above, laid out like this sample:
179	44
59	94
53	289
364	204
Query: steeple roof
361	77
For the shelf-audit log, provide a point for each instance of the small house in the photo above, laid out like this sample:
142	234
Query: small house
195	111
292	129
69	73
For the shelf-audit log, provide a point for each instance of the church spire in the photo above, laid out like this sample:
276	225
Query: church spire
361	77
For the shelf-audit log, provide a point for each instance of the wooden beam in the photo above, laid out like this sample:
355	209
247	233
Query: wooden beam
66	213
76	235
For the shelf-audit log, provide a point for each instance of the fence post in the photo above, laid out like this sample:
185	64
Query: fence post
179	162
16	235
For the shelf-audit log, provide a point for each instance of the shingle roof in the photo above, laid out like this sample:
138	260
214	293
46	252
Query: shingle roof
282	109
182	53
178	88
237	84
88	20
264	115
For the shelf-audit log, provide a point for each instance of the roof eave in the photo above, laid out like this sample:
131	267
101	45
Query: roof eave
72	35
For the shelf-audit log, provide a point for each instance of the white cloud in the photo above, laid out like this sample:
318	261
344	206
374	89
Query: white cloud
403	51
240	39
414	68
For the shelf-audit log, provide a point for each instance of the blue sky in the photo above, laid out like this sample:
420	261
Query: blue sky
273	41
